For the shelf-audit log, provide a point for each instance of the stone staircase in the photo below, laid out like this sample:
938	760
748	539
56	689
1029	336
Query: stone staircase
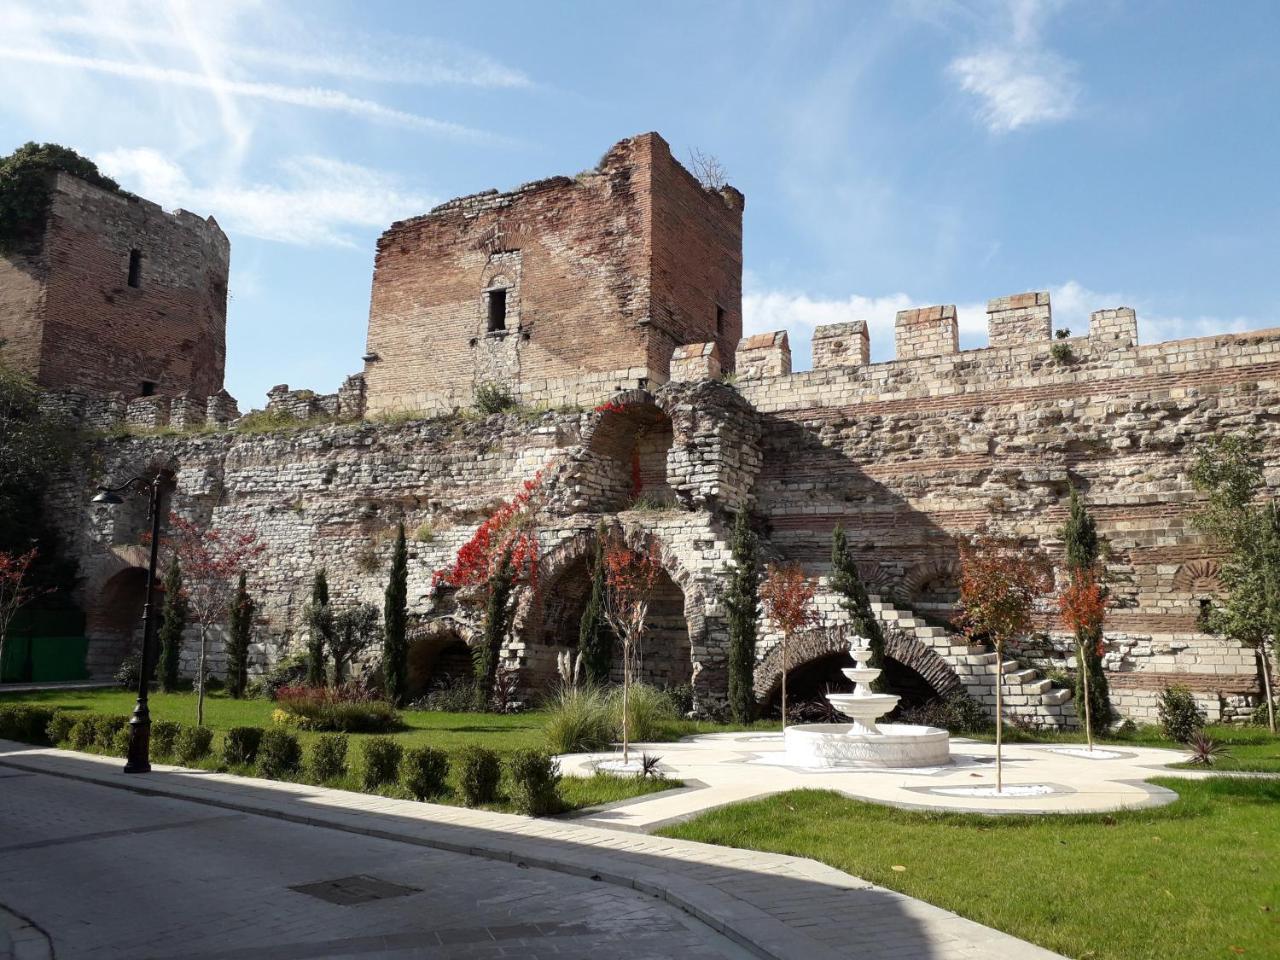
1028	696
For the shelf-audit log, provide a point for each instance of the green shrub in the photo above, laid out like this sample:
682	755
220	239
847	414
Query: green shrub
381	762
479	772
534	779
1259	716
106	728
164	737
423	771
329	757
288	671
192	744
347	709
1180	717
494	398
458	696
83	733
26	722
120	742
649	711
59	729
240	746
279	755
579	719
957	712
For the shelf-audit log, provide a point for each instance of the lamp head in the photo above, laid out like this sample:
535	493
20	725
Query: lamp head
107	497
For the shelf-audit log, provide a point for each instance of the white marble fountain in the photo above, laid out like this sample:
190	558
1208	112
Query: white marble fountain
863	743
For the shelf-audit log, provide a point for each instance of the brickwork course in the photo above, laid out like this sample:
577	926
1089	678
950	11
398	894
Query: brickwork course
907	455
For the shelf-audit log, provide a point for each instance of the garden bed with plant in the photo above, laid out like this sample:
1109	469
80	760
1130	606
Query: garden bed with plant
1197	878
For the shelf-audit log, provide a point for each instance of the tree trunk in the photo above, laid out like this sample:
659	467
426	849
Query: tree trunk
1088	719
1266	687
999	715
626	700
200	679
784	681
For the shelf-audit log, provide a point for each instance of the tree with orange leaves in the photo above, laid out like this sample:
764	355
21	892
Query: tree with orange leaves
788	600
630	576
1000	582
1082	606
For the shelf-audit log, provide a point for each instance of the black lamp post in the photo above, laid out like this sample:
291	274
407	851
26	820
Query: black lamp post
139	758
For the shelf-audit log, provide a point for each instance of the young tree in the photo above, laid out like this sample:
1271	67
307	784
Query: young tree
319	619
788	600
354	631
1083	608
630	576
595	642
847	585
211	560
1229	473
15	591
395	615
172	625
742	603
1000	582
239	635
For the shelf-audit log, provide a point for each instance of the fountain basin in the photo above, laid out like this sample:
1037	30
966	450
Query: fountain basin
839	745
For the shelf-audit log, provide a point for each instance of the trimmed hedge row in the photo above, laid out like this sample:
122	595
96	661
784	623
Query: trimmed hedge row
533	776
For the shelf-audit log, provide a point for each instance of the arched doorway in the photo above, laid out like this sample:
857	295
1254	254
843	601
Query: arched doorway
113	622
626	454
438	657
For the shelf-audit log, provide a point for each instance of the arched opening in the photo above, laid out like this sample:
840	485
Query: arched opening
439	658
809	682
628	451
665	658
113	623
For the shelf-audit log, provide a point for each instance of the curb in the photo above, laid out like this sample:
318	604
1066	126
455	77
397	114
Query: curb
21	939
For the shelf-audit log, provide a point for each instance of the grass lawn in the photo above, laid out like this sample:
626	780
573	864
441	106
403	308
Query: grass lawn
502	733
1247	748
1198	878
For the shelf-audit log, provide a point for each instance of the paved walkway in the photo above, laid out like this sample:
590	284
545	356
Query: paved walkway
774	906
723	768
59	685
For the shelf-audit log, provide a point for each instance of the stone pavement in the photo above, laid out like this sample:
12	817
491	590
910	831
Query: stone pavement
723	768
774	906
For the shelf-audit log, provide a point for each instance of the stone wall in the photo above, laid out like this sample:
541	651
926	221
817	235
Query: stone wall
117	296
563	291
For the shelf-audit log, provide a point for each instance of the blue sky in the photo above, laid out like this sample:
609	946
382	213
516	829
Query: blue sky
892	154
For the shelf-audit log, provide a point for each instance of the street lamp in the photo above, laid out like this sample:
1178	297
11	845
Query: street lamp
139	755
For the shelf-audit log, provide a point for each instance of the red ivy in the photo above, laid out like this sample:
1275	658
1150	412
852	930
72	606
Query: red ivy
512	528
611	406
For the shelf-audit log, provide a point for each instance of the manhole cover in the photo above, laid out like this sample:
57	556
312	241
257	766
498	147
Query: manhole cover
351	890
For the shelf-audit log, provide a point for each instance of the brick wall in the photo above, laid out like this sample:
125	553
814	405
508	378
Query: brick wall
96	332
602	275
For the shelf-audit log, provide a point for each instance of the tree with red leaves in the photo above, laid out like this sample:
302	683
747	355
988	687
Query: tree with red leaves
15	590
1082	606
630	576
1000	582
212	560
788	601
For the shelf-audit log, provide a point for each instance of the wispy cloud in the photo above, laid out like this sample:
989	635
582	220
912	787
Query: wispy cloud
316	203
317	98
1017	80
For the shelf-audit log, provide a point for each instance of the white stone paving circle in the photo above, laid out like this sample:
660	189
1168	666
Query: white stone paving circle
723	768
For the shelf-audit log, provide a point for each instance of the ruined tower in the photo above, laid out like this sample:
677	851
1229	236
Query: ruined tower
115	295
562	291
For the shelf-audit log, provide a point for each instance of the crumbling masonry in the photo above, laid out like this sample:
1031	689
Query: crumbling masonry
610	306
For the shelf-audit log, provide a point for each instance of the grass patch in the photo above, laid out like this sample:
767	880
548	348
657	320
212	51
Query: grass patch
1249	749
1198	878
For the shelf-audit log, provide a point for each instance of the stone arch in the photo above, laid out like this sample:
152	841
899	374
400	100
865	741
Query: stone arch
113	618
816	644
625	452
931	586
876	579
440	651
1199	577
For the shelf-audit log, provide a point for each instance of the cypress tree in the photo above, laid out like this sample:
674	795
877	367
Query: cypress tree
595	641
1082	547
847	585
395	613
488	652
319	617
742	602
172	625
241	632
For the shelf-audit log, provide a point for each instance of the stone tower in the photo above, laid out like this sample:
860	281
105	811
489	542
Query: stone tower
562	291
117	296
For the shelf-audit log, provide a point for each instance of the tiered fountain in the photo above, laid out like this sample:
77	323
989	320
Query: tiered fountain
863	743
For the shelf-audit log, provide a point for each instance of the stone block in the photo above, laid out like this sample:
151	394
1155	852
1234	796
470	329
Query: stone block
1021	318
926	332
764	355
696	361
841	345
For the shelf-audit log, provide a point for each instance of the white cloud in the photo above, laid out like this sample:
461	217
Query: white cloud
316	203
313	97
1018	88
1016	79
798	313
